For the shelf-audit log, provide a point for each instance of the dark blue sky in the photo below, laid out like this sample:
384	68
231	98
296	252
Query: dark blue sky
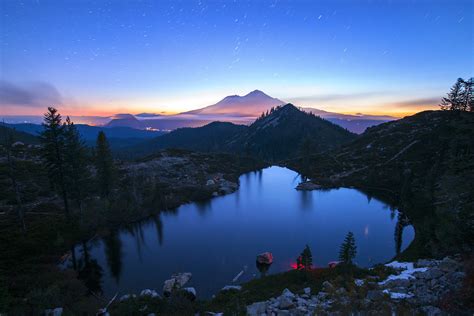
348	56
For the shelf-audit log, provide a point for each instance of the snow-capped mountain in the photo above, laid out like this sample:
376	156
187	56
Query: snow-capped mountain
251	105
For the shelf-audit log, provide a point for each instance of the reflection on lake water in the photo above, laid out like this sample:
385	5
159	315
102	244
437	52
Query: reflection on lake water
216	239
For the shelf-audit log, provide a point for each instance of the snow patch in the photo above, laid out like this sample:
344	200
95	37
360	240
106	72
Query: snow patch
400	265
359	282
398	296
406	271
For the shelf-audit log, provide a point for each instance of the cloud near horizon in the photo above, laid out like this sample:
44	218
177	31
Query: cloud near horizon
336	96
423	102
29	95
33	97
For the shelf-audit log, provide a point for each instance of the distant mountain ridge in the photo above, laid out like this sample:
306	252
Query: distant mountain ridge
358	116
207	138
280	134
118	136
17	136
125	120
240	110
234	108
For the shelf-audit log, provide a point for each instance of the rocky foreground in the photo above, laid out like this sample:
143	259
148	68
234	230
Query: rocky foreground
415	288
424	287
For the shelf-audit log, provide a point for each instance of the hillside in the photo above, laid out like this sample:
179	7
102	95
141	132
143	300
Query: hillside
125	120
20	136
284	133
118	137
424	163
288	132
210	137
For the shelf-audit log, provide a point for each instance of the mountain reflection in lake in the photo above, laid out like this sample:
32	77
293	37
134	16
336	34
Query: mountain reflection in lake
217	239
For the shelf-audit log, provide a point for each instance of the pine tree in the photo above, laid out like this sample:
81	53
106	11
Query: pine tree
467	96
53	141
76	162
348	249
104	165
454	99
305	260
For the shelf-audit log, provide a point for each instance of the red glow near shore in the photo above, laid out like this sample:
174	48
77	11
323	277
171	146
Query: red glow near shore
296	266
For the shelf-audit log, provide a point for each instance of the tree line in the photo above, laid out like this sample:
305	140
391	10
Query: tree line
67	161
460	97
347	254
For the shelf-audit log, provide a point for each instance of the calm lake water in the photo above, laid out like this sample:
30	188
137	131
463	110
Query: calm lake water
217	239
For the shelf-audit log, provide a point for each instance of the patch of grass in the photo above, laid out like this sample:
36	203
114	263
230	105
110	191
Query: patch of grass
177	305
234	303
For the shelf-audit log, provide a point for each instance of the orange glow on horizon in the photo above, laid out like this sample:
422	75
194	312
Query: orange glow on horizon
174	105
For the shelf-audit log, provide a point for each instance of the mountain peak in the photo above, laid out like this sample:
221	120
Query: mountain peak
285	109
257	93
123	116
250	105
289	107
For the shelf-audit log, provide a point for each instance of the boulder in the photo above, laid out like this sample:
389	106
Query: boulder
148	292
448	265
425	263
375	295
359	282
265	258
341	291
176	282
190	293
307	186
288	293
397	283
231	288
210	182
456	278
58	311
126	297
301	310
327	286
285	302
307	290
431	310
256	309
433	273
16	144
333	264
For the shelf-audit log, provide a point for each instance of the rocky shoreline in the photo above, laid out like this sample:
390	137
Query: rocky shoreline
414	287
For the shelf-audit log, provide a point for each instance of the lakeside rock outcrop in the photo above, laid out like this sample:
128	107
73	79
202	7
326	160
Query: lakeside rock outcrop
307	186
414	287
176	282
265	258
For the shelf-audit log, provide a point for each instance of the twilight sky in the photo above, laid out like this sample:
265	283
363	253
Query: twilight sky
103	57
